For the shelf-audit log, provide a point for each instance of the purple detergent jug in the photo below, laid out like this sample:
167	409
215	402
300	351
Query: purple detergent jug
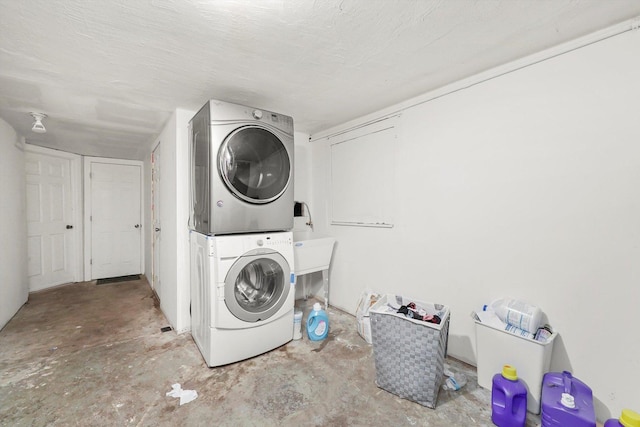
566	401
628	418
508	399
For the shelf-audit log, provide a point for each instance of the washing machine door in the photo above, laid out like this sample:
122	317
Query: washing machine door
254	164
257	285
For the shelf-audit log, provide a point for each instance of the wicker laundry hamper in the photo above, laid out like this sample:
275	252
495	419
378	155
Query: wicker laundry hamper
409	354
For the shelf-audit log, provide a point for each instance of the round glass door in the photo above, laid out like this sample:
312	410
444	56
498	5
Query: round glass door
254	164
256	286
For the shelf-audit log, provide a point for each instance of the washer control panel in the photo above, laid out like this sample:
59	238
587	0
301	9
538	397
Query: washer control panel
274	240
238	244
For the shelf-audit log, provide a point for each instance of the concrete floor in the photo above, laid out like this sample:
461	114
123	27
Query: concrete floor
87	354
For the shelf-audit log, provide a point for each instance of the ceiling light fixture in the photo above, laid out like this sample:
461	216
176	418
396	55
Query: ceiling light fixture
38	127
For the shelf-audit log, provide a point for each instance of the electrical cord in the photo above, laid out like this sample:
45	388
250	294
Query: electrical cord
310	223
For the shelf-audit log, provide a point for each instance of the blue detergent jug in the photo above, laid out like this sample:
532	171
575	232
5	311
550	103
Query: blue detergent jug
317	323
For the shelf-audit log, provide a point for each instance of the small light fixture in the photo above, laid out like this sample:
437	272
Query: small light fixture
38	127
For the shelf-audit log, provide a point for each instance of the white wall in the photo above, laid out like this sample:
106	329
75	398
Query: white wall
525	185
301	181
13	225
302	193
181	159
147	218
174	214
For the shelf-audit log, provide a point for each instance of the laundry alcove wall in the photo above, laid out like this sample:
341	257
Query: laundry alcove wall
520	185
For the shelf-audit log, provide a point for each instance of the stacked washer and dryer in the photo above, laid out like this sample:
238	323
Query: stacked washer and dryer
241	197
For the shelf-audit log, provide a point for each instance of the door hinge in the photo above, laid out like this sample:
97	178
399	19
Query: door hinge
91	262
90	217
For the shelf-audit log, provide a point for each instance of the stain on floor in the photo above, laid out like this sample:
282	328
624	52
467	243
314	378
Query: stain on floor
92	355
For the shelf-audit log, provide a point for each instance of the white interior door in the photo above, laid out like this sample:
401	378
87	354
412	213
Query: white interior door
53	219
115	219
155	212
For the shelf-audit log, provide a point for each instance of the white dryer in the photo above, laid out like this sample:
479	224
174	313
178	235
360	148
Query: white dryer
242	294
241	170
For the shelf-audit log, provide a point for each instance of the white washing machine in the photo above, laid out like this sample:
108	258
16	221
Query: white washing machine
241	170
242	294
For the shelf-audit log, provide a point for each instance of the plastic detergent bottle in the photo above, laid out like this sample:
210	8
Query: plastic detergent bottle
628	418
297	325
508	399
566	401
518	313
317	323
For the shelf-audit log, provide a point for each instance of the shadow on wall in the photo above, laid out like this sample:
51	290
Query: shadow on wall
463	345
312	283
560	357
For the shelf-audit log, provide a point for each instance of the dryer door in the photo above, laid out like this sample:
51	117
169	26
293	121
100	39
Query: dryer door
257	285
254	164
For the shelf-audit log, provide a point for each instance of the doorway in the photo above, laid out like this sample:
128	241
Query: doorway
54	219
113	218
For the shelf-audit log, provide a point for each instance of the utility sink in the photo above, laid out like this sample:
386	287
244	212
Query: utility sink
312	255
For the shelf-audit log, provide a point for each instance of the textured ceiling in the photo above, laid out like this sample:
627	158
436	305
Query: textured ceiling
110	73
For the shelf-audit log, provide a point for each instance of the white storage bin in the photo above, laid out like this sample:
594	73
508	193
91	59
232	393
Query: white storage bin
531	359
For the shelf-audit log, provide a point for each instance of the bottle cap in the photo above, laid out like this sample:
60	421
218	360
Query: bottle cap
509	372
630	418
317	307
568	401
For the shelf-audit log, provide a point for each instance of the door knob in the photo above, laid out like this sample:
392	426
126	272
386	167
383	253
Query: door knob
69	227
137	226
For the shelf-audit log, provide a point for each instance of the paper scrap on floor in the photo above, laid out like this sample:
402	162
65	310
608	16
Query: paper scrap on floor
185	396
